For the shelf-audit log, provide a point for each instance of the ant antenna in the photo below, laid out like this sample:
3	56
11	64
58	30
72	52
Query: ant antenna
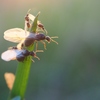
37	57
28	11
14	47
54	40
45	31
49	39
54	37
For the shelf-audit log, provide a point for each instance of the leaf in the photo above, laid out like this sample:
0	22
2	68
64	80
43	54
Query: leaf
34	24
21	79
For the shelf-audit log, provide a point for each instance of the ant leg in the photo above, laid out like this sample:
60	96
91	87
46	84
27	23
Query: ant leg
27	21
41	26
33	54
14	47
37	47
35	57
21	45
25	27
44	44
45	31
32	60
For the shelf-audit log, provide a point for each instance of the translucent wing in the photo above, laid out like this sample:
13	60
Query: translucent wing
15	35
31	17
10	54
40	25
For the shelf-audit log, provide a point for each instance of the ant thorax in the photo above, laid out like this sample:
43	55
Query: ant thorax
40	36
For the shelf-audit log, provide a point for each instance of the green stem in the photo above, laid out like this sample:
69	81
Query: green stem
34	24
21	79
23	70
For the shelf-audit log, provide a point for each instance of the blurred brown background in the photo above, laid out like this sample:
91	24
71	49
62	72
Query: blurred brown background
68	71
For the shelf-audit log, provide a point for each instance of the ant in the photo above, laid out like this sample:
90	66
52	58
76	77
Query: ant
30	18
15	54
38	37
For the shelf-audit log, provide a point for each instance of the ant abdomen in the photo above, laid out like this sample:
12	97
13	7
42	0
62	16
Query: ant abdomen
20	57
29	40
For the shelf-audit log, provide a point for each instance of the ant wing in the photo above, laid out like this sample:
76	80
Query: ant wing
31	17
10	54
15	35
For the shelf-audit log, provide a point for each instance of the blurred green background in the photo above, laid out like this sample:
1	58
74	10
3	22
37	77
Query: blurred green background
68	71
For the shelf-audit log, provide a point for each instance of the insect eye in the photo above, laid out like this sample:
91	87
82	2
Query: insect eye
40	36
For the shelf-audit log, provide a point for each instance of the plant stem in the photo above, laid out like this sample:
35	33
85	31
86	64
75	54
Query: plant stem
23	70
21	79
34	24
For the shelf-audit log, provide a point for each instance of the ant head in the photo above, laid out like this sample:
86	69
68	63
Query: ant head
41	25
34	55
40	36
48	39
26	17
